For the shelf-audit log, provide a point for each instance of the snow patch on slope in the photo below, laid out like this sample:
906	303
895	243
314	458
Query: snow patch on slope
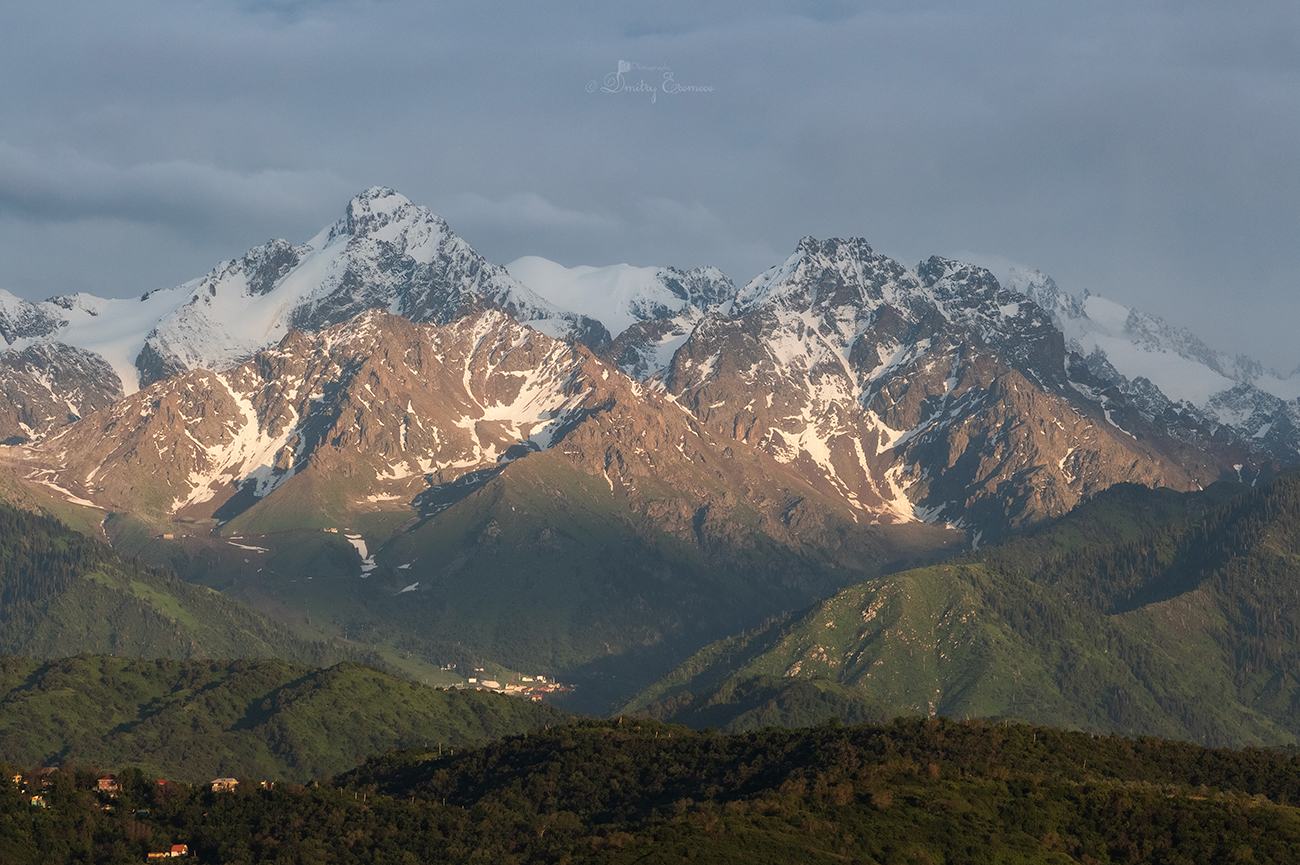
247	455
620	295
609	294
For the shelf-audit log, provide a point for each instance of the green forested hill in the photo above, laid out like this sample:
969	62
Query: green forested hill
1216	594
196	720
1144	612
640	791
961	641
62	593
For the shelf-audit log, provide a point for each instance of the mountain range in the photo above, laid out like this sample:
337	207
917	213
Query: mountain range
854	344
598	471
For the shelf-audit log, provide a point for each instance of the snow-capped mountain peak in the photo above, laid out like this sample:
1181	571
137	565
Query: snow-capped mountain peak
385	252
935	393
382	215
824	274
1141	344
1136	351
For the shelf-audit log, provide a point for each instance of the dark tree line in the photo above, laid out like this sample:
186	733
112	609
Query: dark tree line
641	791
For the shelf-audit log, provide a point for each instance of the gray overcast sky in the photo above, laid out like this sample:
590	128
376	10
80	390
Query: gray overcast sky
1145	151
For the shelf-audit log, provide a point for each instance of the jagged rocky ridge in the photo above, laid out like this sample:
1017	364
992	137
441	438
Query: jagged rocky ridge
1173	379
934	393
385	252
379	399
381	412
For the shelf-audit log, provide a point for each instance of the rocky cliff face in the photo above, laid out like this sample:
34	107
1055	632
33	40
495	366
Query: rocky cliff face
936	394
393	405
381	412
49	385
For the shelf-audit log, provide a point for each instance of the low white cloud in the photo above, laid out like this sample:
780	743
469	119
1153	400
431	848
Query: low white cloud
522	210
191	197
678	216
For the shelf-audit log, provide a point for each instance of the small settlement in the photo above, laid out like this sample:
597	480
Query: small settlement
108	788
535	688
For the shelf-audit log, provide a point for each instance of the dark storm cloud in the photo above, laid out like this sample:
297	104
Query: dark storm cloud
1143	150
